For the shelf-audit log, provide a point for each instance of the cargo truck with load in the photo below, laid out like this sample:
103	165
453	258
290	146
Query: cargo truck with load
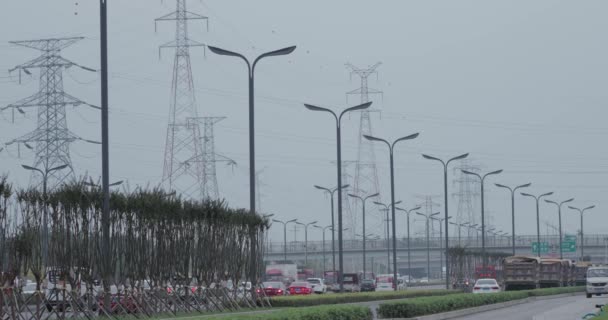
521	272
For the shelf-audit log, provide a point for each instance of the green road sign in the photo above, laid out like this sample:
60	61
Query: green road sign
570	238
544	247
568	246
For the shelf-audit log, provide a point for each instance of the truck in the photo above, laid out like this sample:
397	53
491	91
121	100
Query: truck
286	273
553	272
351	282
331	280
580	273
521	272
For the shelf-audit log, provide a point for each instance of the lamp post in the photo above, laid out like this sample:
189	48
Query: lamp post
512	190
251	73
582	211
306	239
460	225
445	200
388	232
285	223
363	200
441	248
409	267
428	243
391	147
537	198
323	229
489	231
338	119
333	234
483	222
474	227
559	213
45	217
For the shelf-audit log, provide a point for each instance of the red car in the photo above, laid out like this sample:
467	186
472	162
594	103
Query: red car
300	288
274	288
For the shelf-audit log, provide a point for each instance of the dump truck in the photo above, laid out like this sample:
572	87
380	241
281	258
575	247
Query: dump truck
521	272
580	273
553	272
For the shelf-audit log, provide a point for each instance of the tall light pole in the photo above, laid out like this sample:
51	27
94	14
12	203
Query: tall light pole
338	119
474	227
323	229
582	211
409	266
441	248
428	243
460	225
306	239
285	223
333	234
537	198
559	213
388	232
445	200
483	222
391	147
363	200
251	74
45	224
513	190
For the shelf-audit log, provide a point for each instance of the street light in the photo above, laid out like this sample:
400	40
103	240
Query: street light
460	225
306	239
251	72
339	173
474	227
323	229
428	243
407	213
45	228
445	200
483	221
559	213
537	215
363	200
581	211
441	248
333	238
285	223
388	232
512	190
391	147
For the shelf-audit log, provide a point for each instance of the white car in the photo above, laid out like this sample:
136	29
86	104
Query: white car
486	286
318	286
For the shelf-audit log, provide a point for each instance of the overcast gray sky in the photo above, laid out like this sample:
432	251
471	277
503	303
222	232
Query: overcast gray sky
518	84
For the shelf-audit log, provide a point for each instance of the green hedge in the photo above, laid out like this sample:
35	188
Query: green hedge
431	305
315	300
348	312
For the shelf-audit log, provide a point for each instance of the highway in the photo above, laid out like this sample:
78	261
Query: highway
567	308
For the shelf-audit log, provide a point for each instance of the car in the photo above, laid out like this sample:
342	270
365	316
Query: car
486	285
273	288
384	283
597	281
318	286
462	284
368	285
423	280
300	287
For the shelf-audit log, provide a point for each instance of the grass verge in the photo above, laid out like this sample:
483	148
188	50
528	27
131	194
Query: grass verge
348	312
315	300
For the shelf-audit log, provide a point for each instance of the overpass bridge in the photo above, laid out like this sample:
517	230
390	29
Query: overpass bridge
319	254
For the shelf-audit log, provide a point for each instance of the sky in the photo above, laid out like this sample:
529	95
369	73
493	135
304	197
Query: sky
518	84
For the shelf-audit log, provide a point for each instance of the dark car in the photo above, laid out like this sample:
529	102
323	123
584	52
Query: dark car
368	285
462	284
273	288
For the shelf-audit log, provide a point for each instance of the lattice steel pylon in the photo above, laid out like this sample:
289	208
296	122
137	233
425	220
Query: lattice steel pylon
51	136
468	193
184	167
366	172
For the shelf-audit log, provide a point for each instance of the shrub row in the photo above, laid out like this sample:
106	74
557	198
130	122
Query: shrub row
347	312
315	300
431	305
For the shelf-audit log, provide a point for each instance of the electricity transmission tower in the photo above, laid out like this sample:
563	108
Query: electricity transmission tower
468	193
52	137
190	159
366	172
430	206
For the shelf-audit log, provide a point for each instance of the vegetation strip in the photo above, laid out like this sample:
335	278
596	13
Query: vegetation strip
439	304
315	300
343	312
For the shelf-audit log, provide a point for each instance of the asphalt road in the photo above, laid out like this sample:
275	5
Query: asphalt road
568	308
